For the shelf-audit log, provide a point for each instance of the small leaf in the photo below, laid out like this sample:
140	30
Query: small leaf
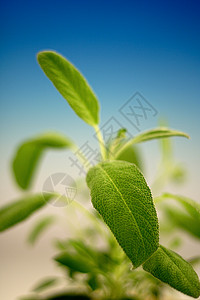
192	207
71	84
93	282
29	154
131	154
120	194
39	228
69	296
183	221
157	133
18	211
171	268
194	260
74	262
45	283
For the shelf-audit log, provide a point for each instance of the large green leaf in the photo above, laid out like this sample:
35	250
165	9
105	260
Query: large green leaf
71	84
120	194
157	133
20	210
29	154
171	268
40	227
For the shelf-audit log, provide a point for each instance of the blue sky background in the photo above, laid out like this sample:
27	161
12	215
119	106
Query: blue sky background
120	46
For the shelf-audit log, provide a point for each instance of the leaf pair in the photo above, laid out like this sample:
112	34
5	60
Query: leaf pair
120	194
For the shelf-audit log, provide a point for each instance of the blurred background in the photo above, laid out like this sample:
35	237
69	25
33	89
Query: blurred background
121	47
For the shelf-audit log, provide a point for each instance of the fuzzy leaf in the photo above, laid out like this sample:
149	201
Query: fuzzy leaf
39	228
18	211
71	84
171	268
29	154
120	194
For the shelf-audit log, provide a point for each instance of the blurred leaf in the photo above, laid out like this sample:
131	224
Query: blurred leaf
93	282
68	296
45	283
18	211
75	262
29	154
175	243
183	221
192	207
194	260
41	225
171	268
120	194
71	84
130	154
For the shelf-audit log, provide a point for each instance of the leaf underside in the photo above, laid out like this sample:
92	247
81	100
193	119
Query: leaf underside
120	194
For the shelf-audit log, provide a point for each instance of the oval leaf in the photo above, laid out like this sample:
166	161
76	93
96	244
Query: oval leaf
39	228
18	211
29	153
171	268
120	194
71	84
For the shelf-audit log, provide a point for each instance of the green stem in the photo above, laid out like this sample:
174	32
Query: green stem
81	157
101	141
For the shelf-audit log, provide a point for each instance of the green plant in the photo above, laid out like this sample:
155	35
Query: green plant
122	200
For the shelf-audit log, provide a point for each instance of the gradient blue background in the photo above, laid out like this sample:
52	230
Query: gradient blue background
120	46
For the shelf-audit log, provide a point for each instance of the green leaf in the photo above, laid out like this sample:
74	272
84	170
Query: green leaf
45	283
183	221
157	133
132	155
188	220
74	262
71	84
41	225
29	154
192	207
120	194
171	268
20	210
